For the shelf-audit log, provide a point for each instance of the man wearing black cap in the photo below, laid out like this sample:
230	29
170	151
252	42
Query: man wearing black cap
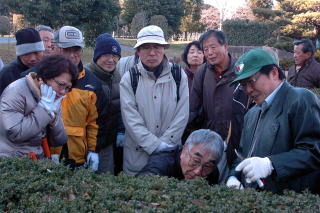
280	141
29	51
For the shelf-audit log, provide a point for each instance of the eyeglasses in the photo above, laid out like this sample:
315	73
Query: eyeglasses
73	50
195	162
62	86
111	56
251	82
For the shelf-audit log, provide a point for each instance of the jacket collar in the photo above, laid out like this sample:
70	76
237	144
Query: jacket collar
20	64
99	72
33	86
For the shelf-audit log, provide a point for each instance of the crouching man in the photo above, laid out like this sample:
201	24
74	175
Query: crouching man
201	156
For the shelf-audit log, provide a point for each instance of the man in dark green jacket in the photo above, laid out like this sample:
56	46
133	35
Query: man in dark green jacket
280	142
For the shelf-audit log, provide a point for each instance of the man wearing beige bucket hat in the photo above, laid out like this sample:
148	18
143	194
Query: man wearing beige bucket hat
154	101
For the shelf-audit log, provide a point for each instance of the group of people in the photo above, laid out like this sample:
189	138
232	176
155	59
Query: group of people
231	121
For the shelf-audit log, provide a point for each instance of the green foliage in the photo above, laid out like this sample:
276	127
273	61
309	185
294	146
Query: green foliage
281	42
139	21
42	186
240	32
171	9
192	13
260	4
161	22
94	17
285	63
5	26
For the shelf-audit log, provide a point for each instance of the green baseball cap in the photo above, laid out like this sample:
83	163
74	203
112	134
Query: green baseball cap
251	62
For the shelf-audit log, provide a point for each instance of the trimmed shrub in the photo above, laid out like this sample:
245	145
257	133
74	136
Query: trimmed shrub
243	33
42	186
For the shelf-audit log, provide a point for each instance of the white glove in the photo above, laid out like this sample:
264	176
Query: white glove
255	168
55	158
120	139
162	146
234	182
93	161
48	101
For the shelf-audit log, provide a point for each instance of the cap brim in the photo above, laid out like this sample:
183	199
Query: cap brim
151	42
70	44
245	75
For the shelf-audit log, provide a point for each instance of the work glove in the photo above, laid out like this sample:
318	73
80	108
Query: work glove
55	158
162	146
93	161
120	139
255	168
48	101
234	182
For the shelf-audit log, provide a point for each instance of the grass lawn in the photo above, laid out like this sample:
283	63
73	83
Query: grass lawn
7	51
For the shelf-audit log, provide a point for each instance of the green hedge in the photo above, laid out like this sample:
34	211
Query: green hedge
243	33
41	186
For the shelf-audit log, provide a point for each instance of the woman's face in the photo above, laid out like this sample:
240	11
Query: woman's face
61	84
195	56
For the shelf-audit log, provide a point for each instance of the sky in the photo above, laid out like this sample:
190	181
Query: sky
236	3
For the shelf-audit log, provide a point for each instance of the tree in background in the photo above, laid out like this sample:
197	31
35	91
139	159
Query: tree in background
190	22
161	22
171	9
139	21
93	17
5	25
210	18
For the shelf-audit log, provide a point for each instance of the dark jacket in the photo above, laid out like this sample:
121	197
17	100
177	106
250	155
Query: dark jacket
214	96
289	136
240	105
167	163
110	85
307	77
11	72
190	76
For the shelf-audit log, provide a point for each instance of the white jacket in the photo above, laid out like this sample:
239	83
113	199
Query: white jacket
152	115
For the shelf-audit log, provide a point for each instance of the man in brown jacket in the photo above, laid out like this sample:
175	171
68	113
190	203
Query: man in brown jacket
210	90
306	70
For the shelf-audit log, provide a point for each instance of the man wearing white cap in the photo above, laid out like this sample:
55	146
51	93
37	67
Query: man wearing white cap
154	101
29	51
83	110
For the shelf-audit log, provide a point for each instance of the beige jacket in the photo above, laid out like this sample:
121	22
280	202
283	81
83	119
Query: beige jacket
152	115
23	122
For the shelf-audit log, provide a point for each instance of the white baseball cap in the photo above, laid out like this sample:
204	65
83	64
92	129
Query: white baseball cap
68	36
151	34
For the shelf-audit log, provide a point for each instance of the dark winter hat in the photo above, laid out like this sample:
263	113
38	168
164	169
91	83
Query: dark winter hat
106	44
28	41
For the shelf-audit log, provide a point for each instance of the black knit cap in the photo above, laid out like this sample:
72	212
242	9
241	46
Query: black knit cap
28	41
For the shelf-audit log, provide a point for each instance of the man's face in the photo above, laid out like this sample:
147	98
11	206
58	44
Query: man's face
199	161
151	55
108	62
260	86
214	52
47	38
299	56
195	56
31	59
74	54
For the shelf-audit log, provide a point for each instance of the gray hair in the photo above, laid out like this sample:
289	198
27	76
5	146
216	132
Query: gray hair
44	28
209	139
307	45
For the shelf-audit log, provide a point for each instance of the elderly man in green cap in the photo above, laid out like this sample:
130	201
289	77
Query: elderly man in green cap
280	142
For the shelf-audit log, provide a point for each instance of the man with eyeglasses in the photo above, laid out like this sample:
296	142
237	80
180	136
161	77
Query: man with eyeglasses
200	156
155	112
107	53
83	110
280	141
